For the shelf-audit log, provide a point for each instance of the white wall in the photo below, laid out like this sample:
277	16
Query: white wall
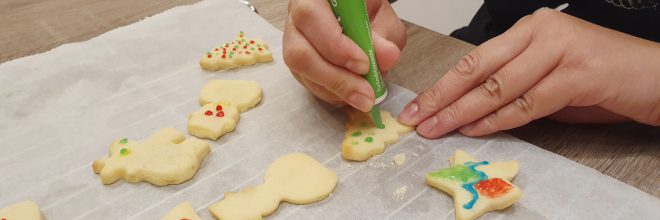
443	16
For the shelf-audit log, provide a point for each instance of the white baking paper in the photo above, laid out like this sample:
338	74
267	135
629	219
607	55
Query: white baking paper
60	110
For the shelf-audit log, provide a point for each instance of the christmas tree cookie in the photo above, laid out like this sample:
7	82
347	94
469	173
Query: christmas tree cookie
363	139
242	51
477	186
295	178
165	158
26	210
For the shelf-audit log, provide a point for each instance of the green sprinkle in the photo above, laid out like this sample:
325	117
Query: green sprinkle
258	45
243	39
123	141
354	142
252	48
123	152
357	133
369	139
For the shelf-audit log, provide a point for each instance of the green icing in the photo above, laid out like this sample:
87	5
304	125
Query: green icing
357	133
456	173
123	151
369	139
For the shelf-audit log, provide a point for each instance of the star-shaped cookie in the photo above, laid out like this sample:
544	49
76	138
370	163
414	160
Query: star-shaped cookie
477	186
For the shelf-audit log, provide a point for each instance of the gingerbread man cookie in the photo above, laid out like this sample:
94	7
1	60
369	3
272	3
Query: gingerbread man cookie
240	52
213	120
295	178
477	186
183	211
166	157
363	139
26	210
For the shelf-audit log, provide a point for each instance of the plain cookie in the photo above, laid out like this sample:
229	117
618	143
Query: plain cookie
477	186
295	178
183	211
240	52
364	140
166	157
26	210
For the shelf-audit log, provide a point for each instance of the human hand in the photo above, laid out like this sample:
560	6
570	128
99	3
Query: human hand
547	64
328	63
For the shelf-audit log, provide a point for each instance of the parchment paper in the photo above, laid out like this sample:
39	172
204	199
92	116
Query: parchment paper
62	109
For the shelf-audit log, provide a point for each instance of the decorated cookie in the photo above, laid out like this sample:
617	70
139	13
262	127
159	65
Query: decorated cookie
295	178
240	52
167	157
213	120
240	93
26	210
363	139
183	211
477	186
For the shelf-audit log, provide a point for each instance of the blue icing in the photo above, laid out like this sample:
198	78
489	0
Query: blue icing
470	186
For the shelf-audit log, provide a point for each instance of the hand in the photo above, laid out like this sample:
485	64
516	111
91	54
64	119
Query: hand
547	64
327	62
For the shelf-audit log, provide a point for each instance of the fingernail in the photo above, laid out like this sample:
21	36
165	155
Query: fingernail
360	102
427	126
408	113
357	66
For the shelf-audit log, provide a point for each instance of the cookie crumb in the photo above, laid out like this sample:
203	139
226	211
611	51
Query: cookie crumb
399	159
400	192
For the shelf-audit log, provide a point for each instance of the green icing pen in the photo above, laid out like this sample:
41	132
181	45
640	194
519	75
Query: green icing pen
353	17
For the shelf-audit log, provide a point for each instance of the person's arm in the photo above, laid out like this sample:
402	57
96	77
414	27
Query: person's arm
328	63
547	64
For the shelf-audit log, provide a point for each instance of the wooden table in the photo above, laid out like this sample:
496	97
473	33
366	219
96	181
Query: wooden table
629	152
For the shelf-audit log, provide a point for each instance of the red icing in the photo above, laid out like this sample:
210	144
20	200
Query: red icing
493	187
218	107
208	113
251	41
220	114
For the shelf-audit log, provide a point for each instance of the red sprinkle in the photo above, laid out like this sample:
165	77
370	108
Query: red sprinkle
220	114
209	55
216	49
218	107
260	49
247	52
224	52
234	49
244	47
493	187
208	113
224	56
251	41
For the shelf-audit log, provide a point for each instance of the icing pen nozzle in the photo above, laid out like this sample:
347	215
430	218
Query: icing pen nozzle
375	114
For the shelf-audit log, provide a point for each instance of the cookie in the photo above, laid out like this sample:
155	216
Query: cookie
295	178
165	158
477	186
183	211
26	210
242	51
364	140
213	120
240	93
